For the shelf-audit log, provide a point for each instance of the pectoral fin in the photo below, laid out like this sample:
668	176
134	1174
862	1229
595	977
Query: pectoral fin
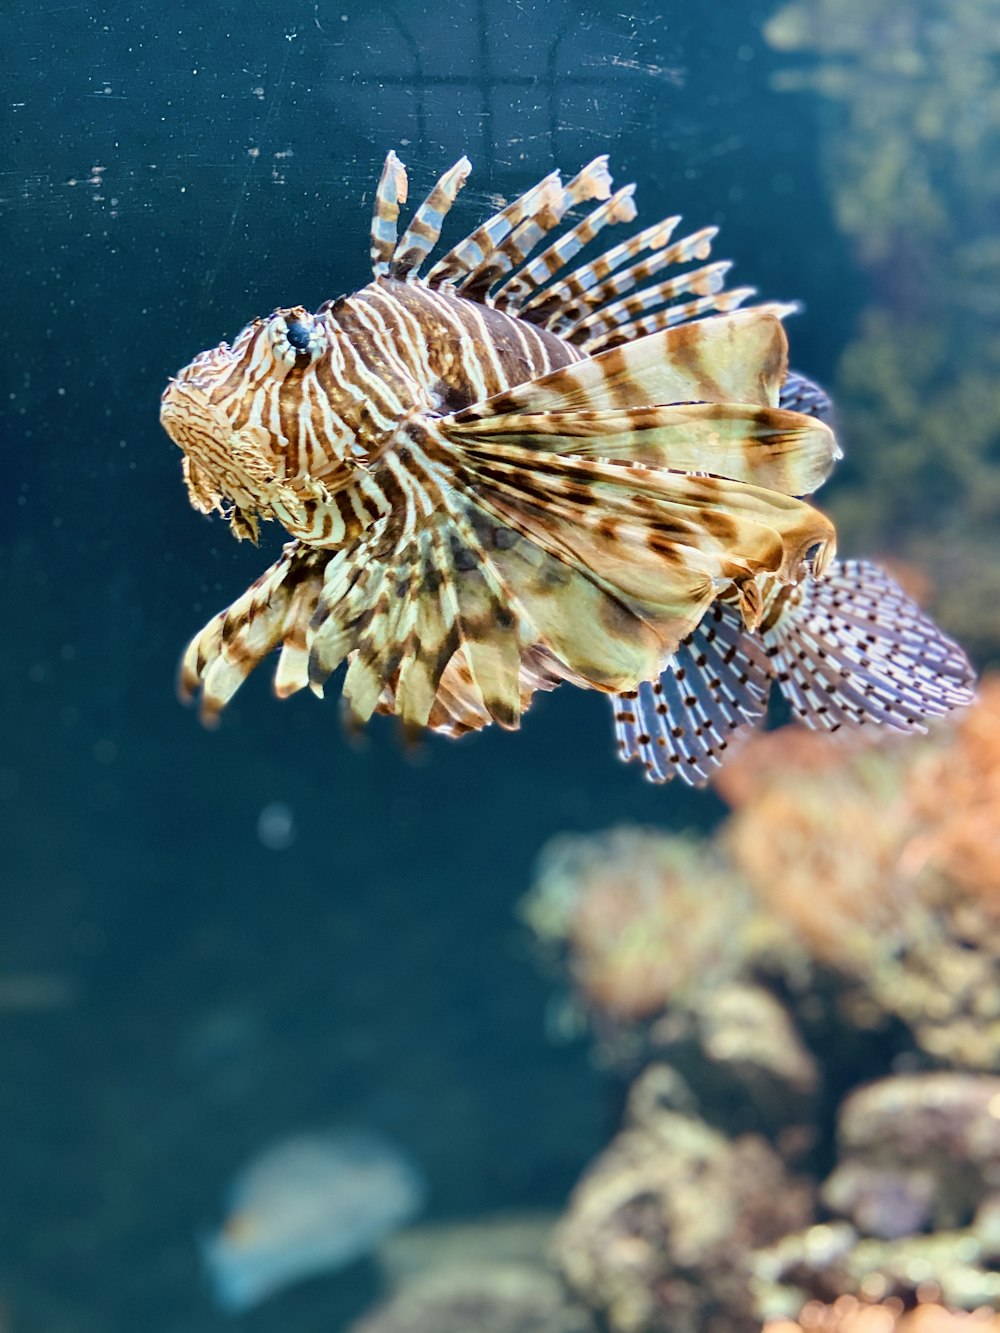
765	446
736	358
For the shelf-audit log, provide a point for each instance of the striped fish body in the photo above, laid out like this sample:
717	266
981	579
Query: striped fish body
325	413
434	351
506	474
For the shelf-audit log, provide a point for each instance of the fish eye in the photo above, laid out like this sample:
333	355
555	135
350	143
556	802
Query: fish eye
296	336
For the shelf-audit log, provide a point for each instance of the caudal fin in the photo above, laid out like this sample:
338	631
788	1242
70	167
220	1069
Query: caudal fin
854	649
846	650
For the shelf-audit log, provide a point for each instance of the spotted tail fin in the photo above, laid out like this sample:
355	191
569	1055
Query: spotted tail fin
799	394
712	695
849	649
852	649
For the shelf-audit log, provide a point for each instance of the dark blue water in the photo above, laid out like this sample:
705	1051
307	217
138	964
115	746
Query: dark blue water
185	994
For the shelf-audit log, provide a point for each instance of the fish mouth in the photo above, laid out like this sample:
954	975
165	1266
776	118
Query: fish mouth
223	473
189	418
202	433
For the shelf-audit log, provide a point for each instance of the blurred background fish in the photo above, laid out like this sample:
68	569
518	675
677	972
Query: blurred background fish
309	1203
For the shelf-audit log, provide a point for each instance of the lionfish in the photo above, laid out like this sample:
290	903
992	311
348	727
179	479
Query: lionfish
513	472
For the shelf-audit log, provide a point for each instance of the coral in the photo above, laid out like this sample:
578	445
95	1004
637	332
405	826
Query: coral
828	1261
905	904
484	1273
642	919
849	1315
805	840
746	1029
655	935
657	1232
510	1239
879	863
493	1299
844	928
955	794
917	1151
487	1274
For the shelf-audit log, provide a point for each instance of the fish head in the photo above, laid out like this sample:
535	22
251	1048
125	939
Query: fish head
228	412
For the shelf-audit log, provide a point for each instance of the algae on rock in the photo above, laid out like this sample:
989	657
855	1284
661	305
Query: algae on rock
828	960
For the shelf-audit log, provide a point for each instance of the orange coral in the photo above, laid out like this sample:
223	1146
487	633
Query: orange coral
955	795
642	918
884	863
849	1315
878	858
817	834
840	841
791	751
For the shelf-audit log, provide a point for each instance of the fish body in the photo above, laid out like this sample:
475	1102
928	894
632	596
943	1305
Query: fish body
308	1204
511	472
319	419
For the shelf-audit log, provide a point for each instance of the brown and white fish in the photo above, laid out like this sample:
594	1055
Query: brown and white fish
513	472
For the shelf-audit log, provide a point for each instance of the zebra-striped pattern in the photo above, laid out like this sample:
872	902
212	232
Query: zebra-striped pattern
850	649
505	474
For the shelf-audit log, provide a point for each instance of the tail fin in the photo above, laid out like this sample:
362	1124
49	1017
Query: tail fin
848	649
853	649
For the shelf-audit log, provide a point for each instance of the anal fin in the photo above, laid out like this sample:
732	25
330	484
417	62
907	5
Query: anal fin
710	696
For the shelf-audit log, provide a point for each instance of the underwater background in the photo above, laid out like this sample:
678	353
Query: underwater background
212	941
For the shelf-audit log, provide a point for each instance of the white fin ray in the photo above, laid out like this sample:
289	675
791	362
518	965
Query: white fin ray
853	649
389	194
849	649
466	257
424	230
512	294
593	182
712	694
